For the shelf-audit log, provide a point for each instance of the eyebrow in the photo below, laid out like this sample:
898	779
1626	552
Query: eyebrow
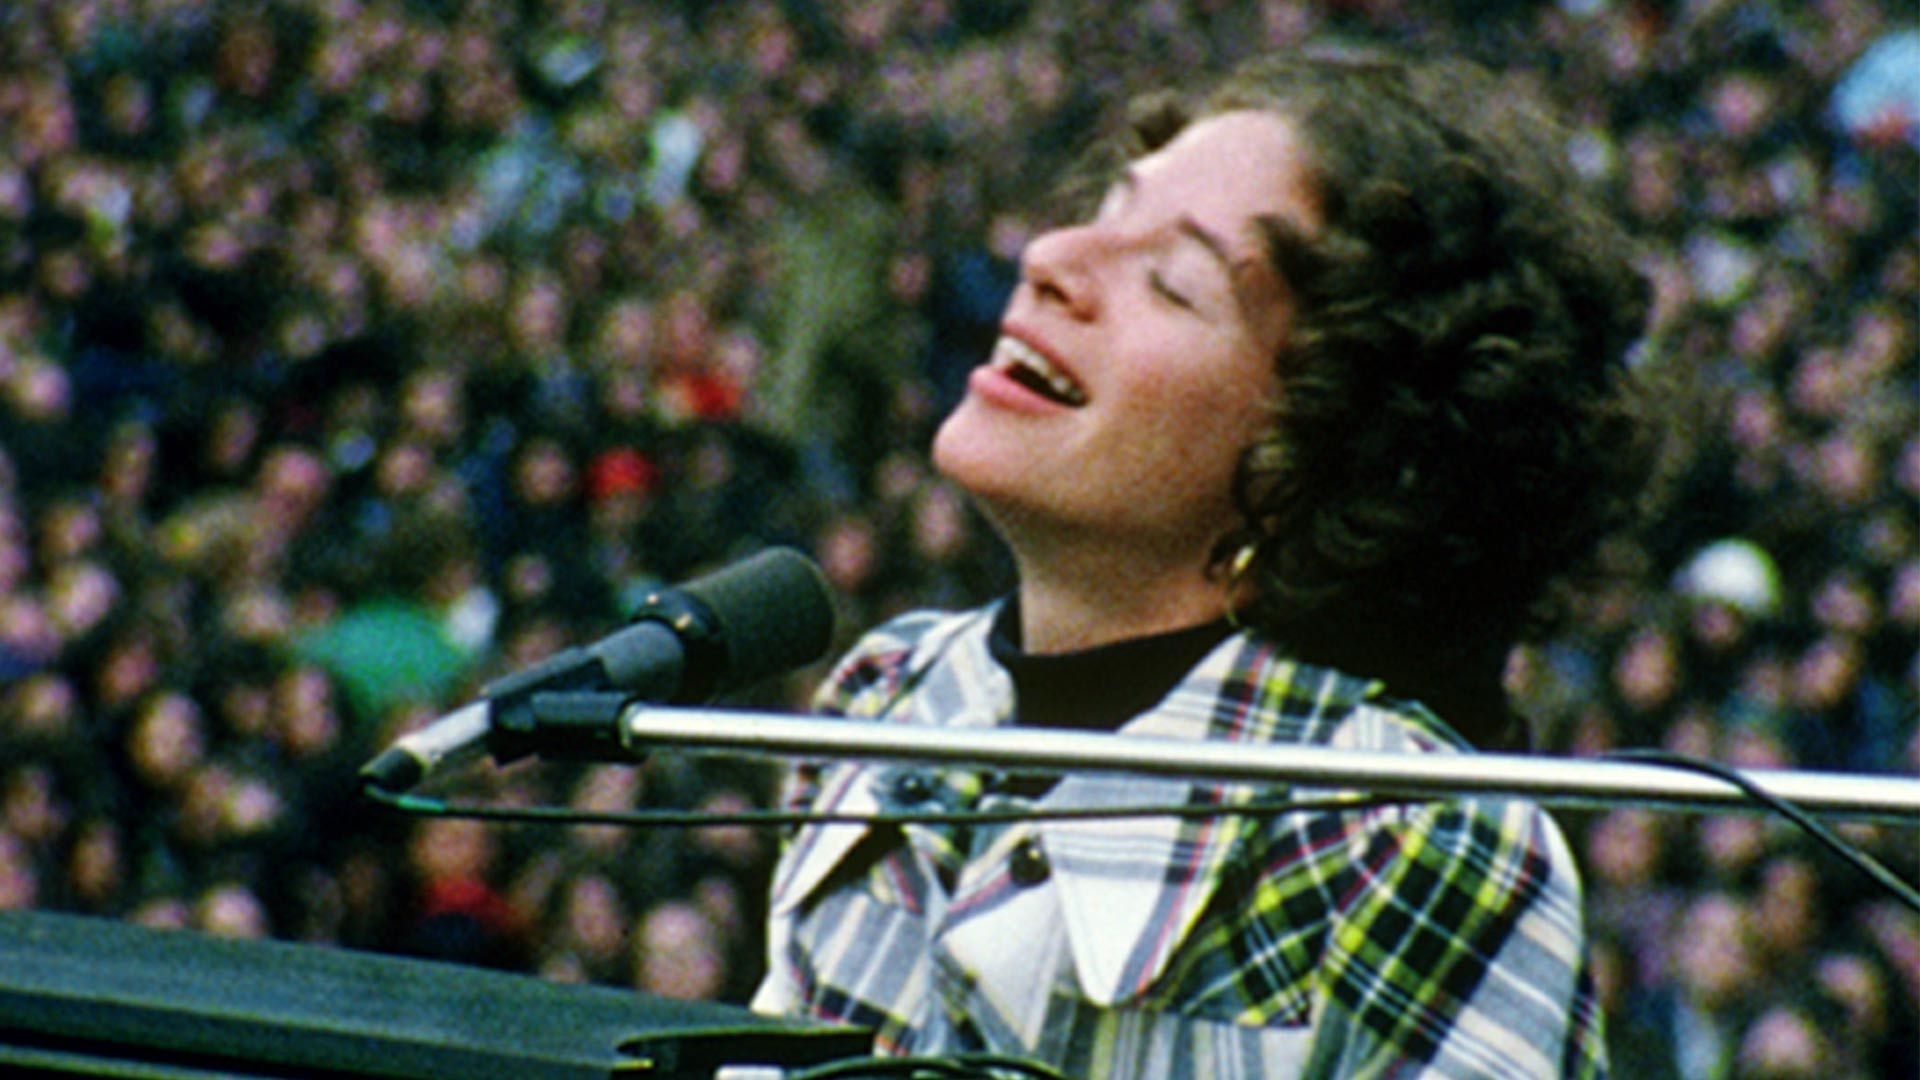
1188	226
1212	241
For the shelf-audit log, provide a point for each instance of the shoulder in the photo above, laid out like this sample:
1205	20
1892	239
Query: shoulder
1503	859
1443	931
1496	851
1262	693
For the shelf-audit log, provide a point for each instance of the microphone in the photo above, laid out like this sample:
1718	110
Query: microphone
756	618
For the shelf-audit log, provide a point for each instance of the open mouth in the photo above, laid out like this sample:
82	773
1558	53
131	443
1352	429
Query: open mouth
1024	365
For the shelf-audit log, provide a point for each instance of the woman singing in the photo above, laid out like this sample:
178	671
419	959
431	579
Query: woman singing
1288	439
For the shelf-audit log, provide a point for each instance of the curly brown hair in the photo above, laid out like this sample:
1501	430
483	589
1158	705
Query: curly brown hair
1457	426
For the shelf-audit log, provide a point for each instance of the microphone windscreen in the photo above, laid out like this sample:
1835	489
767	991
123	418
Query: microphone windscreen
774	611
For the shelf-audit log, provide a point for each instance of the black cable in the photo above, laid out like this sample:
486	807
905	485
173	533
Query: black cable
558	815
1838	845
567	815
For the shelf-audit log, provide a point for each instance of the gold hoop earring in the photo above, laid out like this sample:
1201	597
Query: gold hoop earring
1236	575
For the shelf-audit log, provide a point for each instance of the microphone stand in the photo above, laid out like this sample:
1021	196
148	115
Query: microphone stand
1573	782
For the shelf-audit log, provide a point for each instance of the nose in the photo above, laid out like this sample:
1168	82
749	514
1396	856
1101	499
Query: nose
1056	266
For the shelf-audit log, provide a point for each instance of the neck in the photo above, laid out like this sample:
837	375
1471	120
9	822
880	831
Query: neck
1097	600
1083	586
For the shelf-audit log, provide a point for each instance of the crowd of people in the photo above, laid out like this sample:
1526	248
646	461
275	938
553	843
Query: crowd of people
354	354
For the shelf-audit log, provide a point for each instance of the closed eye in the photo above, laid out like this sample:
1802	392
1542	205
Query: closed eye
1160	285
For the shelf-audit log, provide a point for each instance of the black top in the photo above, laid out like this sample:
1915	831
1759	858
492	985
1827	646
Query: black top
1101	688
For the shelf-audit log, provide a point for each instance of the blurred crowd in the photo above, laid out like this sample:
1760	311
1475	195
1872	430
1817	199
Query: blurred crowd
354	353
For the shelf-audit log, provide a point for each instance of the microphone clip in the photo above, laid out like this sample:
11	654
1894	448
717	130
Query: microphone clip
564	725
568	707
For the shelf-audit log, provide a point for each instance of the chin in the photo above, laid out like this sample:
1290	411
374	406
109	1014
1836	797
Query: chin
955	449
996	464
974	462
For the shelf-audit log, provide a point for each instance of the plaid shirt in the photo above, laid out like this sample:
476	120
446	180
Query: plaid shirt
1437	939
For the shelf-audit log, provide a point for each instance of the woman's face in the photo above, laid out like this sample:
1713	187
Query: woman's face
1136	359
